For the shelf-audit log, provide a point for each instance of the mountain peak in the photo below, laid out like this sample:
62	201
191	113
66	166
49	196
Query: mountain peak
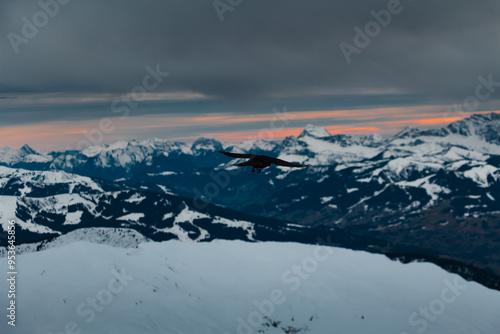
314	131
27	150
485	118
408	131
483	125
206	143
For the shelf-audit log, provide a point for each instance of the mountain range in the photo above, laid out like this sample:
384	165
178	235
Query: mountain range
420	194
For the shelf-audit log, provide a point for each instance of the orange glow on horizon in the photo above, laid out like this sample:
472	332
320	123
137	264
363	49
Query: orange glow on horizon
59	134
426	121
336	129
285	116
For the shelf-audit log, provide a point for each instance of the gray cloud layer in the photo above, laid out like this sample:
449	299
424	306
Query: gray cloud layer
432	50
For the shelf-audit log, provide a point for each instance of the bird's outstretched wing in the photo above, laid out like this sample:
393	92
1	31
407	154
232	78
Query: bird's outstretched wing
237	155
280	162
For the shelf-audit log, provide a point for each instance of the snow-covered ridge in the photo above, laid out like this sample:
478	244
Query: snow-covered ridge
45	204
114	237
45	178
134	145
237	287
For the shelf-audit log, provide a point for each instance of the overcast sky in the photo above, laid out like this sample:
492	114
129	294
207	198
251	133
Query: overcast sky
225	77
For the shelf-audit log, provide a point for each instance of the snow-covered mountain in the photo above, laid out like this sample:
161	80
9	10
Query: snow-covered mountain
226	287
25	154
430	193
47	204
54	208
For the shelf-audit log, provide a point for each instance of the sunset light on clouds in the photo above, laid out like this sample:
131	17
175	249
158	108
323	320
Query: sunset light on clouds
279	124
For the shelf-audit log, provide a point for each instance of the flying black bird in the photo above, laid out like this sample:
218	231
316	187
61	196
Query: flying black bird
259	161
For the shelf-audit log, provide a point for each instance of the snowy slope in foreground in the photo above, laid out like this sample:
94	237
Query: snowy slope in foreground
175	287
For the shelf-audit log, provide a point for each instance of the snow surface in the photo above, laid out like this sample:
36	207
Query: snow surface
247	226
326	199
432	189
133	217
168	215
135	198
165	190
205	288
480	174
186	216
73	218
